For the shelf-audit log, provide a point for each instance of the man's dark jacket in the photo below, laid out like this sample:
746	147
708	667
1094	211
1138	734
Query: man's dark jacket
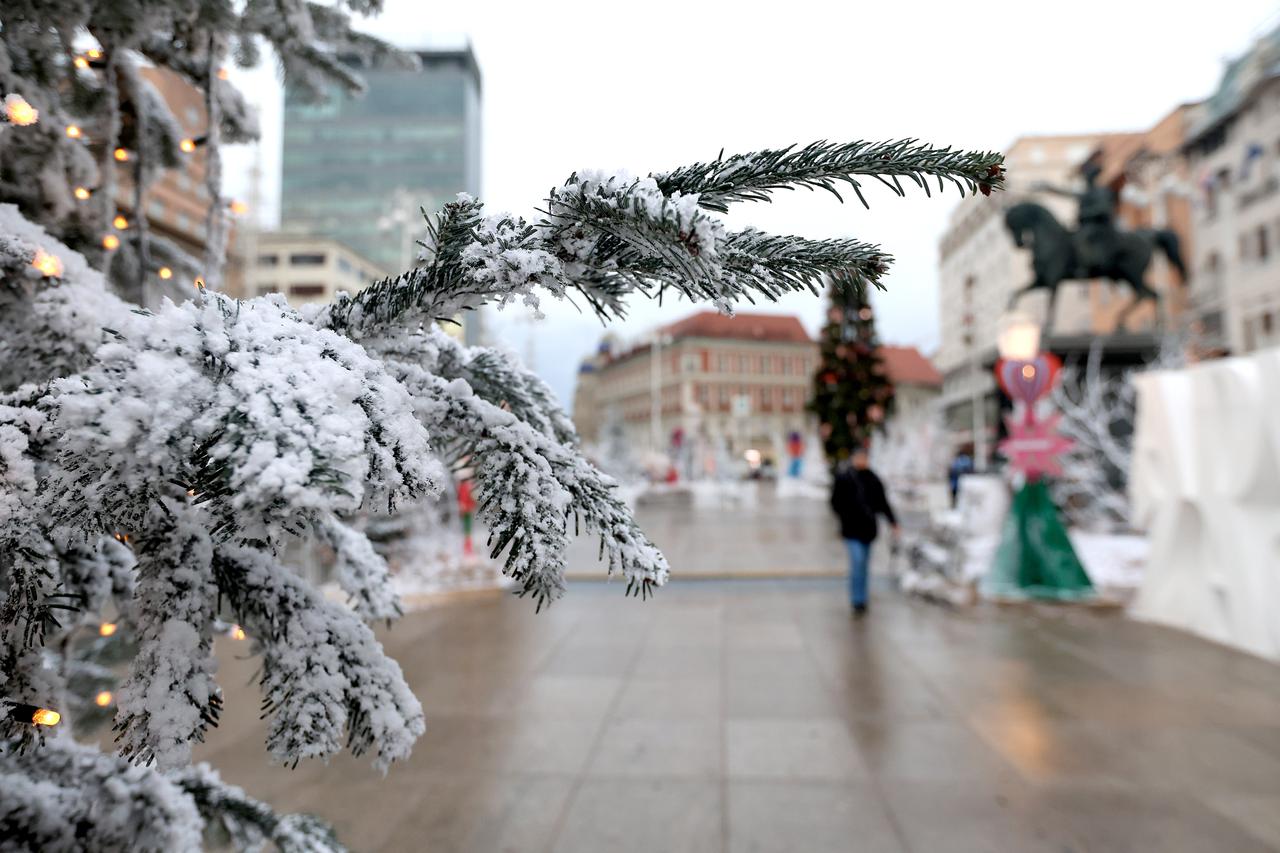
857	497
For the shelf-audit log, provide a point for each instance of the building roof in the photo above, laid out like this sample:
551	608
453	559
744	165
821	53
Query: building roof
908	366
1241	79
775	328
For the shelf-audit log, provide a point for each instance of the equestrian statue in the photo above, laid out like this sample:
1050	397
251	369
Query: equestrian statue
1097	249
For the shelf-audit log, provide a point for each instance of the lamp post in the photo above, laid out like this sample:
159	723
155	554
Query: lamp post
1018	337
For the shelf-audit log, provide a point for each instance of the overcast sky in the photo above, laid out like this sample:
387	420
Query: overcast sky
647	86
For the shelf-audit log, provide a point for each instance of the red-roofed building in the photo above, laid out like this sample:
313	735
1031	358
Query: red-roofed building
738	383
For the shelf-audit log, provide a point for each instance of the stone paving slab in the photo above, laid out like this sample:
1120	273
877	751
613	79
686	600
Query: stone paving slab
759	716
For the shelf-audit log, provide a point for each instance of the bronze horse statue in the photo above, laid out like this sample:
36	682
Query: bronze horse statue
1096	251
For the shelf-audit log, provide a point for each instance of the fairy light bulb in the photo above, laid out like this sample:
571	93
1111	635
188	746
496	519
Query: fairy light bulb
111	242
106	629
223	73
49	265
199	282
121	155
82	193
239	208
187	145
45	717
18	111
237	633
80	62
103	699
166	273
74	132
93	53
120	223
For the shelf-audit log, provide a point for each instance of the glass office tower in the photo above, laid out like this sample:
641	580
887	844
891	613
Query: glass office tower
357	168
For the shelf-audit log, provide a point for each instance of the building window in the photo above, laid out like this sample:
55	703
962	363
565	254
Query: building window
307	259
268	260
343	266
1263	249
264	289
306	291
1268	324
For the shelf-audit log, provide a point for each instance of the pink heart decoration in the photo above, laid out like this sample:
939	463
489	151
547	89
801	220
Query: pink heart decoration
1028	381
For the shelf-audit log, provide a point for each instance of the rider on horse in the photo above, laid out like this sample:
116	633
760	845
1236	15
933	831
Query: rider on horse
1096	238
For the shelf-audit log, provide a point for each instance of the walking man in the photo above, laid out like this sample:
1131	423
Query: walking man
857	498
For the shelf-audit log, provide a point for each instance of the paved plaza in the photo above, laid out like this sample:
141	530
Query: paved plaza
757	715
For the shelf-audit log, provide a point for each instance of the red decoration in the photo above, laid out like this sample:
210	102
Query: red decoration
1033	446
1028	381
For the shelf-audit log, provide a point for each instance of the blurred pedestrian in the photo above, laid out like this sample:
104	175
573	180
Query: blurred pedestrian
858	497
961	465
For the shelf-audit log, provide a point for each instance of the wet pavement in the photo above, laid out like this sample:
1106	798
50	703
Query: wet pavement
759	716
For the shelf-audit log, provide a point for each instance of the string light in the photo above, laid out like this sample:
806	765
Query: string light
45	717
166	273
49	265
111	242
106	629
239	208
73	131
121	155
223	73
18	111
80	62
237	633
199	283
82	193
191	493
103	699
187	145
93	53
120	223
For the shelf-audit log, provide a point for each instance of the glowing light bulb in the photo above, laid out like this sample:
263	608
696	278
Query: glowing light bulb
120	223
239	208
45	717
18	111
106	629
199	283
49	265
121	155
111	242
237	633
80	62
187	145
223	73
1028	371
73	131
191	493
103	699
93	53
82	193
166	273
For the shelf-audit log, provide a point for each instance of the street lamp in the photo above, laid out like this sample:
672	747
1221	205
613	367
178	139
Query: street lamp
1017	337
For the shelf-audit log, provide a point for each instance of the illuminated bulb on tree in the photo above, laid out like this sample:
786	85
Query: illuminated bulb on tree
18	111
103	699
187	145
166	273
121	155
199	283
82	193
80	62
223	73
239	208
120	223
49	265
93	53
237	633
73	131
111	242
45	717
106	629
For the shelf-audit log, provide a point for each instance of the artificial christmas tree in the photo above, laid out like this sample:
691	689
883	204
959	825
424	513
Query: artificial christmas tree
852	395
156	466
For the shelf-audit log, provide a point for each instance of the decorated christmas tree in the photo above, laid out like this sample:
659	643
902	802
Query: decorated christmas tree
158	466
852	394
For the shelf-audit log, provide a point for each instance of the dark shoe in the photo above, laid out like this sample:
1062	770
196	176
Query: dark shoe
859	609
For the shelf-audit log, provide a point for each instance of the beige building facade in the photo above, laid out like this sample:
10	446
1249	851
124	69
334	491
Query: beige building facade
1233	155
307	268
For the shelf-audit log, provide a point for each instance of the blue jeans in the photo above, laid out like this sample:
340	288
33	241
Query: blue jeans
859	557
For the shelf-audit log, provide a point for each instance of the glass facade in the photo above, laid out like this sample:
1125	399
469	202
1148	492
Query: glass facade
415	133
